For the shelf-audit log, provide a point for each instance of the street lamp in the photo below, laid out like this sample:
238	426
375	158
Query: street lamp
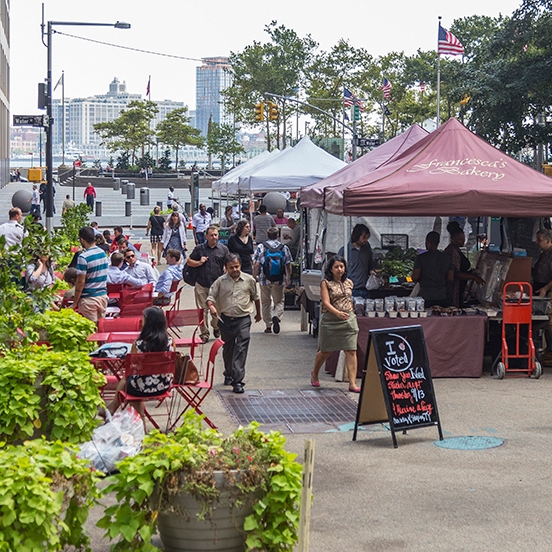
48	121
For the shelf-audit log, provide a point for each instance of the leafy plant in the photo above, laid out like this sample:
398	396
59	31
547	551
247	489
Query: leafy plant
45	494
186	460
399	263
51	392
65	330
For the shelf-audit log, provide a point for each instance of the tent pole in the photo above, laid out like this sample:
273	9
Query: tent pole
438	121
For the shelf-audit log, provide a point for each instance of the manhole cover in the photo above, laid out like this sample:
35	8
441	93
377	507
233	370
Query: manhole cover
291	407
470	443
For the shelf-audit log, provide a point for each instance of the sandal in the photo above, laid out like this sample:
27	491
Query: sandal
354	389
314	383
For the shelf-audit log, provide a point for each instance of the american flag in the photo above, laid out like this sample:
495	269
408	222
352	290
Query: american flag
349	99
386	87
448	43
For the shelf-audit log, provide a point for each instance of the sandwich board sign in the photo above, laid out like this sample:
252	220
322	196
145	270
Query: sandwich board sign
397	387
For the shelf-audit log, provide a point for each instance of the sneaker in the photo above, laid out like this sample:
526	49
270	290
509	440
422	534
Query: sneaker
276	324
228	380
237	388
268	330
216	333
204	338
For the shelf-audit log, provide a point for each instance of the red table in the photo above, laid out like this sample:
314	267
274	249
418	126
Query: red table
454	344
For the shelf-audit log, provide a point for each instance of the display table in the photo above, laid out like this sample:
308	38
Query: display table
454	344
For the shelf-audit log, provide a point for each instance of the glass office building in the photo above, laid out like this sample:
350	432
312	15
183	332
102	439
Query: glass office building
211	78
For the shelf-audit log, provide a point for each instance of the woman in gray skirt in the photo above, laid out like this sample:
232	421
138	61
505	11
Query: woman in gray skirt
338	323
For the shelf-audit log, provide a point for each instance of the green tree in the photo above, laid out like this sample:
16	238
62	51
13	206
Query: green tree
222	142
175	131
131	131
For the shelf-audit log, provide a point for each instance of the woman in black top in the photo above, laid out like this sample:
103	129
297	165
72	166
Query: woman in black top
241	243
156	224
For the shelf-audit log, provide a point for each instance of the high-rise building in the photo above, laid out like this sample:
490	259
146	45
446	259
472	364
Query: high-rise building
4	92
212	78
81	114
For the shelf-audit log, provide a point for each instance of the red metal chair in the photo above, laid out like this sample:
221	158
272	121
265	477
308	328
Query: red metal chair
194	394
133	301
114	290
129	324
148	364
138	246
177	319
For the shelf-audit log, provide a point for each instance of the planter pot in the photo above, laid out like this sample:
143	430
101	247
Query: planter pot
181	530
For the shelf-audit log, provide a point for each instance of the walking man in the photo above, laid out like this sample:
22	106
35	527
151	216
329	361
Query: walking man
35	202
232	299
208	258
68	203
90	195
200	222
261	224
272	266
91	286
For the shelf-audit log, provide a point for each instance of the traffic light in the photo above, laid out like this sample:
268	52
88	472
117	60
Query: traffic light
196	180
356	112
259	111
465	99
273	111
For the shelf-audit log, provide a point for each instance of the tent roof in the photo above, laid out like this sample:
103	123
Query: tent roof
313	196
299	166
450	172
233	176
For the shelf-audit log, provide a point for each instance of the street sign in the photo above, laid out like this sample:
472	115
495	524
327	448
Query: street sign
28	120
368	142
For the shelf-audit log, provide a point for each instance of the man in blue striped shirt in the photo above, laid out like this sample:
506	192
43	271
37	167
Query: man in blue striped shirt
91	286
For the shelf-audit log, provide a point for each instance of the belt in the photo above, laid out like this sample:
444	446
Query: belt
224	316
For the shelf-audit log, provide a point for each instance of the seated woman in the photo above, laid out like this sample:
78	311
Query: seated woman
432	270
153	339
40	273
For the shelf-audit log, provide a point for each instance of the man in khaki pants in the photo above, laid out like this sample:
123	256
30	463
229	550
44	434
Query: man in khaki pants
209	258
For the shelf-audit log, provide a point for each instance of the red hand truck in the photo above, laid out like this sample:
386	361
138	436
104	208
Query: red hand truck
518	349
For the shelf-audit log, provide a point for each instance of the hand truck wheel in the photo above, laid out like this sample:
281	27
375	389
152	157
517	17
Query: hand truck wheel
537	372
500	370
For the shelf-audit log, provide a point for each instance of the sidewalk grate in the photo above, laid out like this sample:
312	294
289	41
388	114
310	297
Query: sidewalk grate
291	410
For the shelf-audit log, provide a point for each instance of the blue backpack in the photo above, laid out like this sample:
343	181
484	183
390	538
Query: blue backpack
274	263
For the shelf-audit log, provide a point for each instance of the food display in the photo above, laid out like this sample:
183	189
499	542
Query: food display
446	311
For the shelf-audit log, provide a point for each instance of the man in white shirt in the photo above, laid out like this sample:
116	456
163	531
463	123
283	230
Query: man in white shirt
117	276
35	201
13	229
170	197
140	270
173	273
200	222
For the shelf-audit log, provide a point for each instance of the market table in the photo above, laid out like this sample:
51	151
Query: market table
454	344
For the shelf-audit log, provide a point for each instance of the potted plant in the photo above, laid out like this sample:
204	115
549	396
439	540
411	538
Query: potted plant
249	469
46	494
46	392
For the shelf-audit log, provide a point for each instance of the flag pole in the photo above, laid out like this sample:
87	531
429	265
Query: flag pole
382	116
438	121
149	88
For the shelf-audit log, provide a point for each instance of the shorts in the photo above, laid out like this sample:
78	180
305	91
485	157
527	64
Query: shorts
155	239
93	307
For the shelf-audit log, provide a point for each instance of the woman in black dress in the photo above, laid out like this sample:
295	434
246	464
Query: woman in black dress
241	243
156	225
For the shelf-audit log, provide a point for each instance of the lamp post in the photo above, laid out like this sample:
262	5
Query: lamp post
47	29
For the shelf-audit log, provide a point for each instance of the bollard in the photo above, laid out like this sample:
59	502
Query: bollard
98	208
160	205
124	184
144	196
131	190
128	208
116	184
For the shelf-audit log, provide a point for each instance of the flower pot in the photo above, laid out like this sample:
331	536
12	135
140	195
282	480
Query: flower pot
181	530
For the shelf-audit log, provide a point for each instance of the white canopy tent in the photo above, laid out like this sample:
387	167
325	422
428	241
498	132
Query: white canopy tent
233	176
304	164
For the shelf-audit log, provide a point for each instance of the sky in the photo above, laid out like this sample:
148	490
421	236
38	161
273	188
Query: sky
202	29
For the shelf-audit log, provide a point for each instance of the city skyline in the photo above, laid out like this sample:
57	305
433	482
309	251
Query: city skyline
193	33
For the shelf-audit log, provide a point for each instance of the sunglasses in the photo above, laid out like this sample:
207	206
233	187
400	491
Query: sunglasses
130	256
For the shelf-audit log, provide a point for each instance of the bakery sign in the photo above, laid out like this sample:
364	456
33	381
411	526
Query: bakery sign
464	167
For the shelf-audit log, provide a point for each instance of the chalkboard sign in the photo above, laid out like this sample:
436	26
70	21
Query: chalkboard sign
224	235
397	385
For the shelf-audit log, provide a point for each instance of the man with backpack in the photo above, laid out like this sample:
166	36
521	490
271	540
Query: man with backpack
272	267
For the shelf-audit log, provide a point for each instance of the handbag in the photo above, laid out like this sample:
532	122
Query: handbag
185	372
189	274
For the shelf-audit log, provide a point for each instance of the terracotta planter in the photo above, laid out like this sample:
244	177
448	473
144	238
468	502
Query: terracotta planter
183	531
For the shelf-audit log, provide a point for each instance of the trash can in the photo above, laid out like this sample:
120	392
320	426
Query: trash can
116	184
98	208
160	205
128	208
131	190
144	196
124	184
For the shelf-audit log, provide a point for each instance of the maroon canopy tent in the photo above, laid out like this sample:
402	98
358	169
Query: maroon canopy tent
312	196
450	172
